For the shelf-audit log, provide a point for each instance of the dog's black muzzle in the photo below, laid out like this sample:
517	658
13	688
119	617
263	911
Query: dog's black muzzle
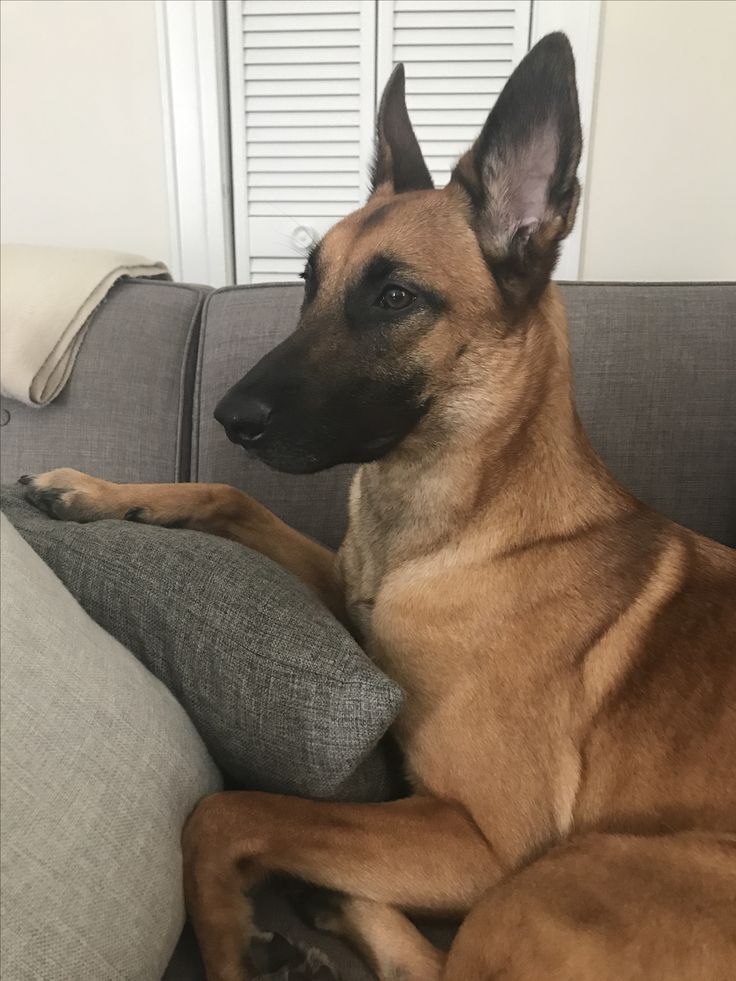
300	410
270	412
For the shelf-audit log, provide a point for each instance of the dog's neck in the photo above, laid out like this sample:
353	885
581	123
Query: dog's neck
524	471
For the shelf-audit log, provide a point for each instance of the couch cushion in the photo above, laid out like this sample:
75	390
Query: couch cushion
100	768
282	695
125	412
654	372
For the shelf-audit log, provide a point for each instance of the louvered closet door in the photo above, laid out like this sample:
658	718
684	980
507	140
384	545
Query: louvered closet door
457	54
302	115
304	79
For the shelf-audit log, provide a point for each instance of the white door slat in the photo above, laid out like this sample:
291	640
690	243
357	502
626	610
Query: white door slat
307	55
258	23
337	133
449	6
439	53
286	195
302	178
295	149
260	105
451	36
287	8
328	88
303	72
454	18
300	209
304	164
285	40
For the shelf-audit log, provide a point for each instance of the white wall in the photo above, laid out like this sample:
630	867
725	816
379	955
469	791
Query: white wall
82	133
662	180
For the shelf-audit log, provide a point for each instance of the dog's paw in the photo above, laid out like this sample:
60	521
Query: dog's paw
69	495
319	907
274	957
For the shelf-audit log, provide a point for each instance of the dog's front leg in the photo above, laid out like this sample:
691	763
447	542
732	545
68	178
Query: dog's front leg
215	508
418	854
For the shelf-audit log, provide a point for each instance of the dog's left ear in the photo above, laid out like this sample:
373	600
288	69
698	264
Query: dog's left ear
520	175
398	162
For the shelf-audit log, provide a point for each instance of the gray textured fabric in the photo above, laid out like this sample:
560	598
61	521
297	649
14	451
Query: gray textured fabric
239	326
125	412
283	697
655	373
100	768
655	376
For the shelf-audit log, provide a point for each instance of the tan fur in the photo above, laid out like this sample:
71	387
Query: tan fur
567	654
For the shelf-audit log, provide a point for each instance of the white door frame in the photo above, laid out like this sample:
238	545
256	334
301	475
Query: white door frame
193	54
193	67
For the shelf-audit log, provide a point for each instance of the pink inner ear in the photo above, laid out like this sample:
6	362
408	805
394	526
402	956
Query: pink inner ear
530	170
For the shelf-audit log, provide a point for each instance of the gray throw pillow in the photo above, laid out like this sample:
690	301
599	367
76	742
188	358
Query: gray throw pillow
283	697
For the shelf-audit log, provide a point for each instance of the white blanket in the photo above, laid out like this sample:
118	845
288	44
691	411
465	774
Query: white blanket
48	295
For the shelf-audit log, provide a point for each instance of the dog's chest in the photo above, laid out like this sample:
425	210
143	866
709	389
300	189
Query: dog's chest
389	524
471	708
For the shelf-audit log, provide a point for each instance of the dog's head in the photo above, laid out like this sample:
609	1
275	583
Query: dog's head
413	298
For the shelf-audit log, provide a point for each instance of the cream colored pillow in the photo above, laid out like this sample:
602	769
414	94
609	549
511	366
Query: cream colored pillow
100	767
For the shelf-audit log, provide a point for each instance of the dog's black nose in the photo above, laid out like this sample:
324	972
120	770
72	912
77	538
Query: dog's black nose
245	420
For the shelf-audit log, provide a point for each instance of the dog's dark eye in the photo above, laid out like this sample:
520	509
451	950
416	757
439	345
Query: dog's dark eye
307	273
395	298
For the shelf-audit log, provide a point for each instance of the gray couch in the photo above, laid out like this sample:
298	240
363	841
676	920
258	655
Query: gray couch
655	377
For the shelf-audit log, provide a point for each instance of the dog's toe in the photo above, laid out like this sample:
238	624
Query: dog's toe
50	500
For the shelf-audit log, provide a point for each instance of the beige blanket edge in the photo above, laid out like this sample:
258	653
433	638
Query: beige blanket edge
47	297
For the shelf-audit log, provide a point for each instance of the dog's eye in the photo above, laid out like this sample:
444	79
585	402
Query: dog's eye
395	298
307	273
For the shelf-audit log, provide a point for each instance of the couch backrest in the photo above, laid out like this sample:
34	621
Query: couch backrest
655	370
125	413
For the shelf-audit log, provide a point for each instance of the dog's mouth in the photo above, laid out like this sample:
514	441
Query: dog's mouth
380	444
305	424
282	454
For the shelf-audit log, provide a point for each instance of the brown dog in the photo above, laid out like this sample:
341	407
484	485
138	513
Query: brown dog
568	656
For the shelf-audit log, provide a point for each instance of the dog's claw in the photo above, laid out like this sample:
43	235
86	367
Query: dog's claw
49	501
25	479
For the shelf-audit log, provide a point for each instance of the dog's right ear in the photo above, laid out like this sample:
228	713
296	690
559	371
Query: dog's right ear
398	162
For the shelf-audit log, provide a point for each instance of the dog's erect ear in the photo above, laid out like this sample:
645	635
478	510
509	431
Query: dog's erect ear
520	174
398	161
